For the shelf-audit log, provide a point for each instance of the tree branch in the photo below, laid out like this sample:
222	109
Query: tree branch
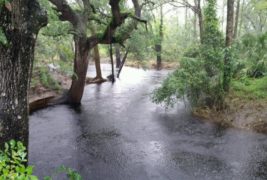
118	19
67	14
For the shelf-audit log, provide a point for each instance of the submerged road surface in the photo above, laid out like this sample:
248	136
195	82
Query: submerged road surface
119	134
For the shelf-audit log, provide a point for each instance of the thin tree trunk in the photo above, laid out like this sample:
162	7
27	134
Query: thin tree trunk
21	26
96	56
112	76
118	56
228	43
200	20
241	19
223	16
186	18
122	63
195	21
159	45
230	23
236	19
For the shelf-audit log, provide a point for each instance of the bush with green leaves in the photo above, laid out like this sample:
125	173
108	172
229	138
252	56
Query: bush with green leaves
253	54
189	80
200	75
71	174
13	160
47	80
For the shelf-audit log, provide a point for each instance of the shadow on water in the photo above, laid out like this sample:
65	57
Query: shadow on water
118	133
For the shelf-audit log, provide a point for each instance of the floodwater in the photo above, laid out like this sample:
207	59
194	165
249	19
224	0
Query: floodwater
119	134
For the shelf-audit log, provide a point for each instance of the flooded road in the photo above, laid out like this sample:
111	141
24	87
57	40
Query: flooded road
119	134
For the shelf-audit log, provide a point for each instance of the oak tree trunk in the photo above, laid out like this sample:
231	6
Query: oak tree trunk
80	70
21	24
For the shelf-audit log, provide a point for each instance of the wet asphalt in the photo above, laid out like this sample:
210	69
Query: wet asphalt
119	134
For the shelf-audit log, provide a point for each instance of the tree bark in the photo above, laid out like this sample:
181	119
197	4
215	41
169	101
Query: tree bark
230	23
96	56
195	21
80	70
112	76
237	14
241	18
158	46
200	20
118	56
228	43
21	24
198	12
223	16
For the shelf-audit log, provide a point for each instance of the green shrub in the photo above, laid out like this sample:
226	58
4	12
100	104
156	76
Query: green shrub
13	160
47	80
186	81
253	54
71	174
200	76
250	88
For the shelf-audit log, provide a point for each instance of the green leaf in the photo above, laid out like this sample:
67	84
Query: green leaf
3	39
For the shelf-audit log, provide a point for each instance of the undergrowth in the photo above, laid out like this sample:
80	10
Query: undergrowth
13	160
250	88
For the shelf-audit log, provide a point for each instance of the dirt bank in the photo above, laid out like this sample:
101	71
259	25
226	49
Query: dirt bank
240	113
39	95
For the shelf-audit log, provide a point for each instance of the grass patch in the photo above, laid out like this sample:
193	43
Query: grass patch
250	88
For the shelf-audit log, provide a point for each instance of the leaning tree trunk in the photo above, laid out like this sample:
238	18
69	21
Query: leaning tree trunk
122	63
80	70
21	21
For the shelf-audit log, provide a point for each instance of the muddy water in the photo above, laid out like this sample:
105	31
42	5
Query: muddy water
119	134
